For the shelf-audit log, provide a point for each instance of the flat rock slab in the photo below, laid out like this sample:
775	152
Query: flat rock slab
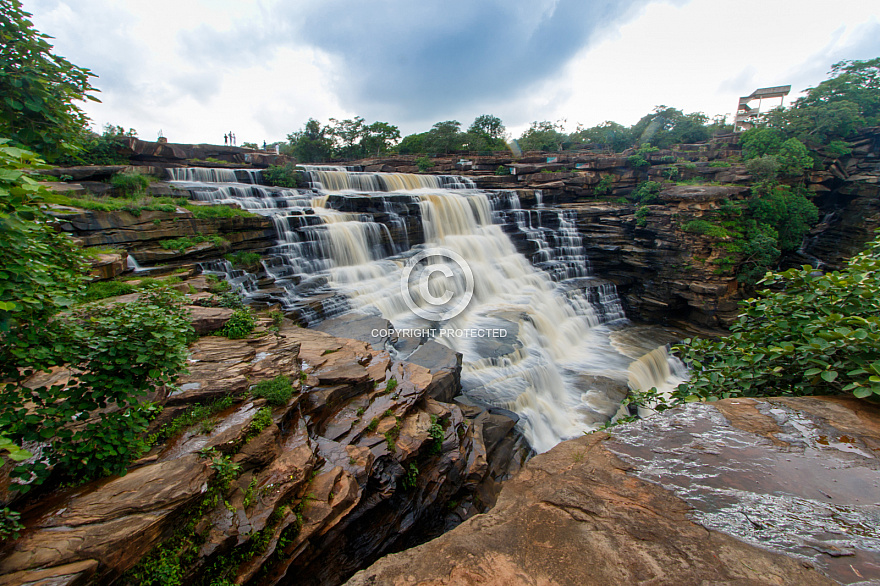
774	491
799	475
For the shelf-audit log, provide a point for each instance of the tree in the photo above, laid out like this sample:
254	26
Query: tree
543	136
378	138
346	136
312	144
757	142
444	137
413	144
667	126
794	158
486	133
39	89
608	135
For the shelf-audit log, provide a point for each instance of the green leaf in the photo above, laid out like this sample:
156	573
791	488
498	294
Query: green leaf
829	375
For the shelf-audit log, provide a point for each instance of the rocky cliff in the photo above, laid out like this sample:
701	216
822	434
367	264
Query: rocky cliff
366	456
775	491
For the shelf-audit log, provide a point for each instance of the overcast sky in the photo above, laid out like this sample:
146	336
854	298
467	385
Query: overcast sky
195	69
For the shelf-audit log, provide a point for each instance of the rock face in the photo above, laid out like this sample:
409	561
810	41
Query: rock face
663	272
141	235
776	491
360	461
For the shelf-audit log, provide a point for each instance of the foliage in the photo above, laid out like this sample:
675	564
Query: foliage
543	136
637	162
645	193
787	211
276	391
412	144
104	289
794	158
667	126
486	133
240	325
186	242
119	357
761	141
641	216
444	137
191	416
39	89
608	135
209	212
502	170
10	525
286	175
411	479
604	186
424	163
95	149
808	333
130	184
312	144
764	168
243	259
435	431
705	228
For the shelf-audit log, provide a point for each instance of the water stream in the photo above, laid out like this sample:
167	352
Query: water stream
536	331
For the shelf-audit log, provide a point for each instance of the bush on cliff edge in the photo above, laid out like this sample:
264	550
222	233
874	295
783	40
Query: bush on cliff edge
808	333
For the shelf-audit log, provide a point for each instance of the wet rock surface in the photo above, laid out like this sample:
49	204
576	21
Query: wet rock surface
774	491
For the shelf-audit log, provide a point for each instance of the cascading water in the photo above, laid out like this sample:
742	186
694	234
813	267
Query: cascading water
347	240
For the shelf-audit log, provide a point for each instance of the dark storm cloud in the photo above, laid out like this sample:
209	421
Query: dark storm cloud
403	58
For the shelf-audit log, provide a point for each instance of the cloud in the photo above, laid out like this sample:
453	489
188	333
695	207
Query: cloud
407	60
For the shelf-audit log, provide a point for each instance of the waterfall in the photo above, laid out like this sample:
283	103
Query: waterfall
343	245
657	369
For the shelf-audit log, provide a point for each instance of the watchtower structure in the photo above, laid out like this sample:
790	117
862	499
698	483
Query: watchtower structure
746	115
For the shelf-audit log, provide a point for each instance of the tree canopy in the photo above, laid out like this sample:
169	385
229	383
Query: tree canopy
39	89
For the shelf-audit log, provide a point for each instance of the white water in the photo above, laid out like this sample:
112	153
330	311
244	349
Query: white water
558	321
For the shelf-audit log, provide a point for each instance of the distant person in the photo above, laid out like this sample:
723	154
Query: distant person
225	139
264	145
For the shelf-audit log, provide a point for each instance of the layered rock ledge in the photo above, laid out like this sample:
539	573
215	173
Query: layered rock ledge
775	491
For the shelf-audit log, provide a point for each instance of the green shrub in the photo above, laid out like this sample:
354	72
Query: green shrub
130	184
243	259
277	391
282	176
424	163
705	228
502	170
203	212
646	193
642	216
124	353
240	325
605	184
719	164
671	173
637	162
435	431
104	289
411	478
809	334
185	242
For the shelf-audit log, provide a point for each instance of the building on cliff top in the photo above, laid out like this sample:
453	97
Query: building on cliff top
746	116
